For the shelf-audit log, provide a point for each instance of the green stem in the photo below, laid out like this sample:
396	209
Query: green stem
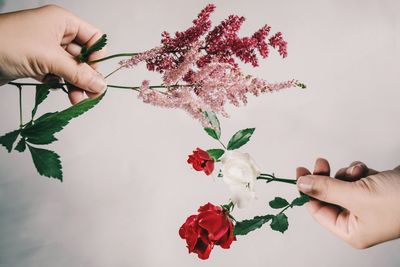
136	88
20	107
113	56
271	178
114	71
222	144
284	209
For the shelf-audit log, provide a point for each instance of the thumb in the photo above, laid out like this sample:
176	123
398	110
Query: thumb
328	189
79	74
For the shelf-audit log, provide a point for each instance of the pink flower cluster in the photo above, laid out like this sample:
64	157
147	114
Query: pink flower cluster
213	86
199	67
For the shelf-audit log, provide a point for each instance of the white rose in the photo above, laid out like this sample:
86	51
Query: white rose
240	173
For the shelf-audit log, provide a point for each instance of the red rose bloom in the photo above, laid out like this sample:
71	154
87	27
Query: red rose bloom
212	226
201	161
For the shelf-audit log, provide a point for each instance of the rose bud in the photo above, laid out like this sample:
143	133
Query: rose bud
201	161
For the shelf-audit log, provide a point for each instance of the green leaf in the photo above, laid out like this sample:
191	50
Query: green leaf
240	138
211	132
216	154
45	116
246	226
44	139
278	203
301	200
280	223
214	122
8	139
43	129
21	146
87	51
46	162
42	91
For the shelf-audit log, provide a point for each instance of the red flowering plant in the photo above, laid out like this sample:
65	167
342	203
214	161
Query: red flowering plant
200	75
240	173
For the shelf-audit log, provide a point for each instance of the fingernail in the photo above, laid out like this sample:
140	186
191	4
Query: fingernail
98	84
350	170
305	184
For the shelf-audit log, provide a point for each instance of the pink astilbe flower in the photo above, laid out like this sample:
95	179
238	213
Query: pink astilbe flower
174	48
219	83
221	43
277	41
178	97
135	60
214	85
199	69
173	75
201	25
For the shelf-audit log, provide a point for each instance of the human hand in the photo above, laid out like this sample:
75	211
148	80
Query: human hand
360	205
43	41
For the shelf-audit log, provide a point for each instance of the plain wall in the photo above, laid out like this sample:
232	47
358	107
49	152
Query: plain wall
127	188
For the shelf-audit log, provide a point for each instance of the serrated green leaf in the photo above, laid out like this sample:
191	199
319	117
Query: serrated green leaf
280	223
301	200
44	139
21	146
47	162
212	133
246	226
278	203
42	91
240	138
87	51
45	116
8	139
216	153
214	122
47	125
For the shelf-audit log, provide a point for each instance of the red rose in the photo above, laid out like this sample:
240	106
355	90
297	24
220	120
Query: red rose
201	161
212	226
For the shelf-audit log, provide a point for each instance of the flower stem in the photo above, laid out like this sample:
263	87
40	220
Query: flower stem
222	144
284	209
136	88
271	178
20	107
112	56
114	71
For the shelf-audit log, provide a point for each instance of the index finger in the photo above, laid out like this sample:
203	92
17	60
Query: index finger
82	33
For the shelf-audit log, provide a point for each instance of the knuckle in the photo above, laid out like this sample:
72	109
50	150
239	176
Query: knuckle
365	184
322	188
354	163
76	79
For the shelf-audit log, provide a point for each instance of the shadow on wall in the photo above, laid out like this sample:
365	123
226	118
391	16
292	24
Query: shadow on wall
1	4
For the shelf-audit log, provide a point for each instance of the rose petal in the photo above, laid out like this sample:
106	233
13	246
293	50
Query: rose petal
209	167
203	250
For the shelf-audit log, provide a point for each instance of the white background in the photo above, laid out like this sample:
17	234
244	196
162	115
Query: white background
127	186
